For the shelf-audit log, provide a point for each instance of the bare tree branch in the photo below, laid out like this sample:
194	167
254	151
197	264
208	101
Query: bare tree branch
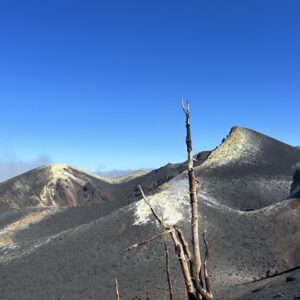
187	106
206	276
182	105
117	289
161	222
168	268
184	243
198	284
184	266
180	252
167	231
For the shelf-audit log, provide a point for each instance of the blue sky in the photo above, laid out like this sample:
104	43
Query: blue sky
97	84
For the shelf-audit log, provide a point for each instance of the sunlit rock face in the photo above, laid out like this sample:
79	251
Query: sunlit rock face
295	188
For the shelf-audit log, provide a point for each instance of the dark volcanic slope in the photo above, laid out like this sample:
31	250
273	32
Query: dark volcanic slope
76	252
81	262
284	286
249	170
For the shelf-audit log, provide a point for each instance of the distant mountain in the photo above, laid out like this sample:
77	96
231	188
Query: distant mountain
54	185
54	251
122	173
59	185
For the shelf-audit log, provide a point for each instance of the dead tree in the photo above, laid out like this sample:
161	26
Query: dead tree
203	289
195	274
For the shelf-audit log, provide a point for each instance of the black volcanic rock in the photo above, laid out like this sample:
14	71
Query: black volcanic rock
201	157
295	188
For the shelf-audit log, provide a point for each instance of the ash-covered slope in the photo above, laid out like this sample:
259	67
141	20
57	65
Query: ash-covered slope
82	261
249	170
76	252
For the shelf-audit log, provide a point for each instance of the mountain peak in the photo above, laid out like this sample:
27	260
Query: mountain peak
237	146
254	150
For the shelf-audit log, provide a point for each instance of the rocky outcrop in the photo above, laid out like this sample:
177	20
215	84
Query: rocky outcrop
295	188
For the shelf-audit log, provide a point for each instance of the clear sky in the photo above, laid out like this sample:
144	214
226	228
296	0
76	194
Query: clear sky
97	84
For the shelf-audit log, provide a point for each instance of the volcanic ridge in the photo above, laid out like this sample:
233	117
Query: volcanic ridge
64	231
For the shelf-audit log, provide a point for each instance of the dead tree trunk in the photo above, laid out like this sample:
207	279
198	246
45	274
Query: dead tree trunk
202	285
195	273
193	196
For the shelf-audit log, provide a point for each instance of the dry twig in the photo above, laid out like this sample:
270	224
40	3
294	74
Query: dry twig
117	289
166	232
